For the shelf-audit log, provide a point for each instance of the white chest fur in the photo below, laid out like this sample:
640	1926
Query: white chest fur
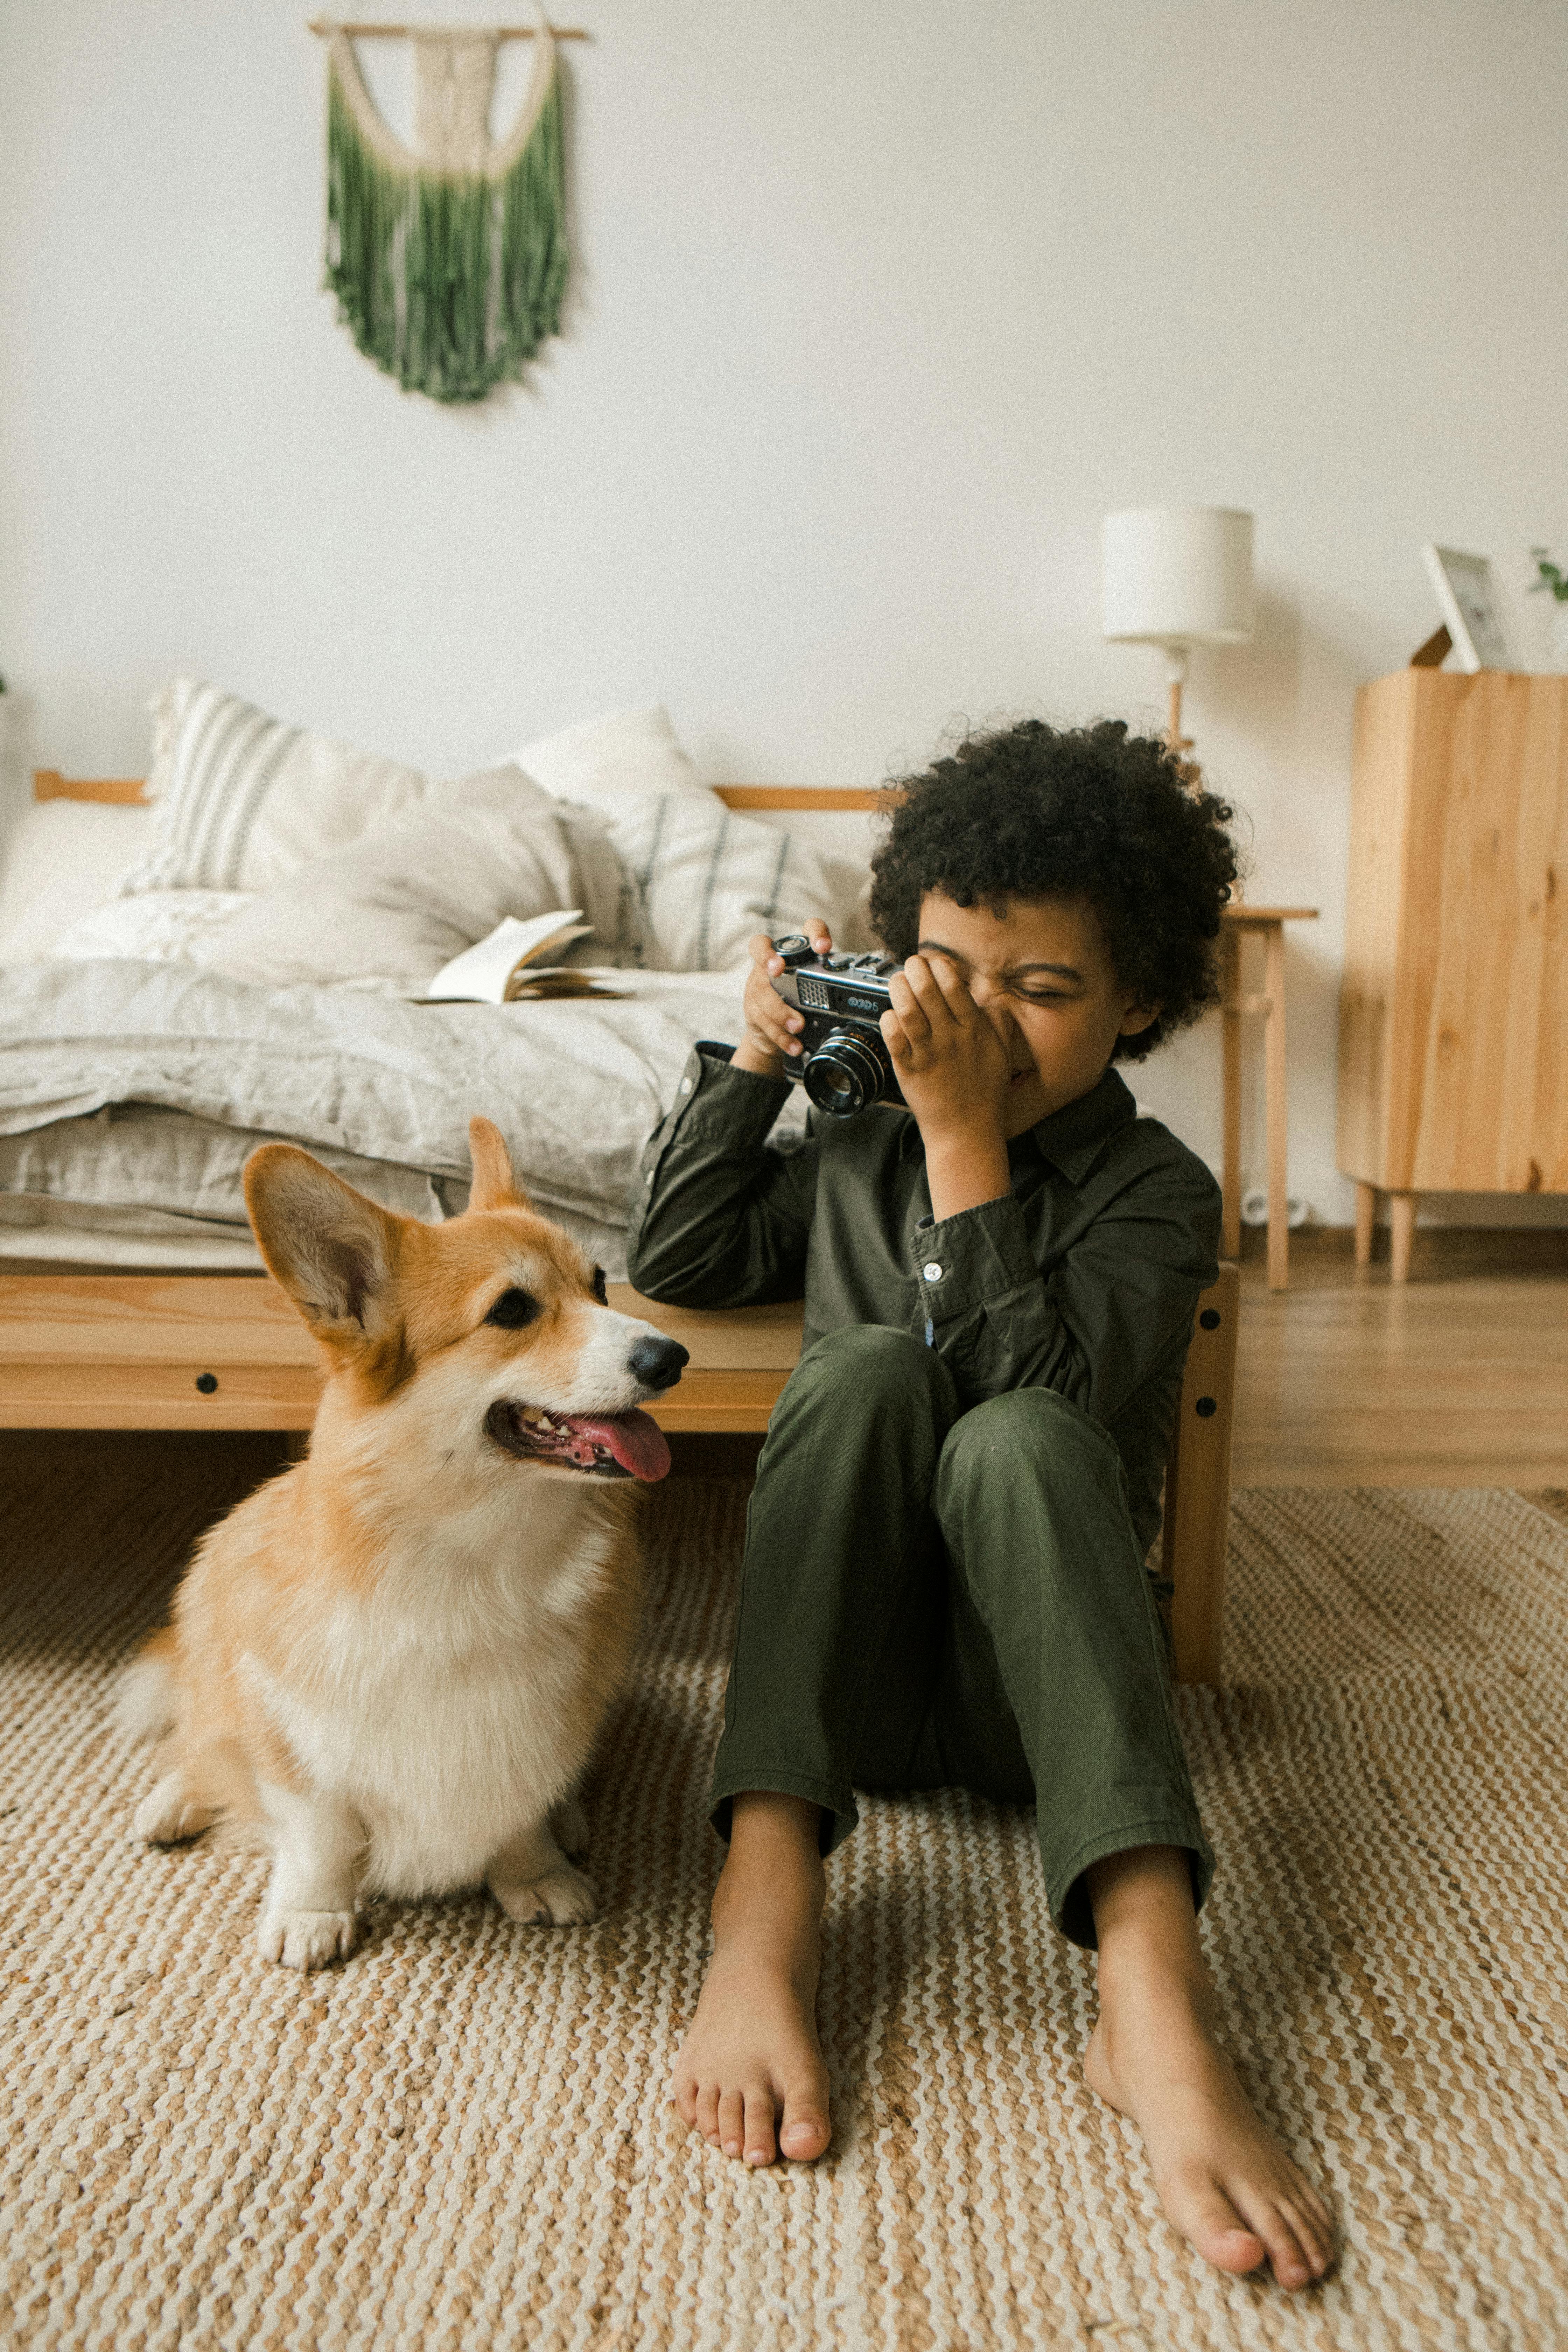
449	1706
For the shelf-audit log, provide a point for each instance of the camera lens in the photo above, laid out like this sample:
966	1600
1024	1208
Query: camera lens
846	1072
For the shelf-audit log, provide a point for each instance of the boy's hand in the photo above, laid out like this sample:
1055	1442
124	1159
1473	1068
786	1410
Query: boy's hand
954	1067
772	1027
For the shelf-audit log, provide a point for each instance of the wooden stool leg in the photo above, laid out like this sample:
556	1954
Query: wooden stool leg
1402	1215
1275	1106
1230	990
1197	1483
1365	1222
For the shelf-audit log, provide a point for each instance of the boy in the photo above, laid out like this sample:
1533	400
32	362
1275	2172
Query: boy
944	1579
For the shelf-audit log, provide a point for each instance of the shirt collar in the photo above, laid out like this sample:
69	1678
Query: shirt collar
1073	1137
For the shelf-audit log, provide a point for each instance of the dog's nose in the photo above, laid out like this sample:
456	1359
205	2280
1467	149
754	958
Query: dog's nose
657	1362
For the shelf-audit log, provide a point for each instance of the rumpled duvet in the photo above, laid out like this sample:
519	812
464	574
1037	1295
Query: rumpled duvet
383	1087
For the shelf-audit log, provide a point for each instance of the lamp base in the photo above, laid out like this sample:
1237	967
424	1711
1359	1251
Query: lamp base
1176	743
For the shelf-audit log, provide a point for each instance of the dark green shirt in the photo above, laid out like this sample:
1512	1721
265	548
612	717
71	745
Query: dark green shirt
1084	1278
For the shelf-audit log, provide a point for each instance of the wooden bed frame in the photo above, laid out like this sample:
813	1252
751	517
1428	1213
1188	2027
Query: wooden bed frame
226	1351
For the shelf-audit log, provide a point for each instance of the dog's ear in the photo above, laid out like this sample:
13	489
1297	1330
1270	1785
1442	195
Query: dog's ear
494	1186
333	1250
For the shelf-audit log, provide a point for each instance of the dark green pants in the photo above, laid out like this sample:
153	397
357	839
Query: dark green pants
937	1599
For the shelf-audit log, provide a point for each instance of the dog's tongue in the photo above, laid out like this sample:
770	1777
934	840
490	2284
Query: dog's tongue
635	1439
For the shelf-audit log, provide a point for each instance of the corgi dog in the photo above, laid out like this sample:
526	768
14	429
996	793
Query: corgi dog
392	1662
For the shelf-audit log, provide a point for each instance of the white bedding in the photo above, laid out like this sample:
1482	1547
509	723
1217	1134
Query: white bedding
35	1229
135	1184
157	926
168	1031
382	1086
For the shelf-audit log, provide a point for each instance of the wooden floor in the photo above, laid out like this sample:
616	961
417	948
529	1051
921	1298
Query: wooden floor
1458	1378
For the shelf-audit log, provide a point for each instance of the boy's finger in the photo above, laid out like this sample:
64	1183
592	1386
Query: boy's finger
905	1003
768	1016
764	1004
895	1039
952	986
761	1005
932	1001
817	932
779	1037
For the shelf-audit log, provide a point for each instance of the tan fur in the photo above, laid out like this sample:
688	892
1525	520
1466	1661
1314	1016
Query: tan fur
393	1661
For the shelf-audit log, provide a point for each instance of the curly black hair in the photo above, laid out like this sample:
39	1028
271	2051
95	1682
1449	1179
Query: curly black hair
1087	813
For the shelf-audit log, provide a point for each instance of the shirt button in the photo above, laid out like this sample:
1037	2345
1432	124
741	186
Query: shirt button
932	1271
686	1085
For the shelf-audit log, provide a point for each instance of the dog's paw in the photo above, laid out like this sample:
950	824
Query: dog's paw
569	1828
305	1940
562	1898
170	1813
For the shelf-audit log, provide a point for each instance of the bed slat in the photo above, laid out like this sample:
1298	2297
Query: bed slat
131	1351
49	784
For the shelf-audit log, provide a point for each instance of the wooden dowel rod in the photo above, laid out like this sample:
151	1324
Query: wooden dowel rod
1230	969
1274	1107
322	25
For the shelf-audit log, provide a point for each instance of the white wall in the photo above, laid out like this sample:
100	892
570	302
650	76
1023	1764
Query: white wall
878	306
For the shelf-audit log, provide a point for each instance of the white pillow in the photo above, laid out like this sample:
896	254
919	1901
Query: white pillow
406	897
63	858
239	800
605	762
707	879
154	927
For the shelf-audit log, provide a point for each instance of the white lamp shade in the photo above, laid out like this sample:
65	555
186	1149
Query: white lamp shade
1178	576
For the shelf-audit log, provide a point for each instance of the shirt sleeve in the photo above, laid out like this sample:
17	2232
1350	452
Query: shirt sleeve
717	1217
1097	1324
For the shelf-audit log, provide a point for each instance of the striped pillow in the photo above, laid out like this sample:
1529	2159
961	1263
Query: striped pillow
239	800
705	880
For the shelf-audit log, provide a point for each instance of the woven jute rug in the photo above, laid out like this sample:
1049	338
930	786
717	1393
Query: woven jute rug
460	2138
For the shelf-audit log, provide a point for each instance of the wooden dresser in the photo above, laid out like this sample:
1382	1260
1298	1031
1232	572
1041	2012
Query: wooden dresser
1454	1011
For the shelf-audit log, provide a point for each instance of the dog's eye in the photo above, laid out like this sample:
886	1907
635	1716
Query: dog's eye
512	1309
601	1289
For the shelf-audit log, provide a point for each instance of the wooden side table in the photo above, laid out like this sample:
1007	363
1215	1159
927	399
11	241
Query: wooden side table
1269	924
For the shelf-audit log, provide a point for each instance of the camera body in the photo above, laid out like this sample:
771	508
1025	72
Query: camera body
844	1063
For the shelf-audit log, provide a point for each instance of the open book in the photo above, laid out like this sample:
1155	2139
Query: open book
511	963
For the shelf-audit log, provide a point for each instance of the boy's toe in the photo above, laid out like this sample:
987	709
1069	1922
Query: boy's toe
1220	2233
1315	2239
707	2116
1286	2256
1304	2199
731	2121
759	2143
806	2129
1235	2249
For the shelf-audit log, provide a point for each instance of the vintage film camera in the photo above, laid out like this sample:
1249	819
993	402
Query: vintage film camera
843	1064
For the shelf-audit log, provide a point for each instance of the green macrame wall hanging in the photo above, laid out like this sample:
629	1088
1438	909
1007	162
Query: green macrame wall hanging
448	260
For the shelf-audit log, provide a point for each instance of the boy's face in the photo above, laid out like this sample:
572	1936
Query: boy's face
1042	972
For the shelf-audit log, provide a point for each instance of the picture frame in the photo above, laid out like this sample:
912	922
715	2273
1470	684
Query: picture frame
1470	600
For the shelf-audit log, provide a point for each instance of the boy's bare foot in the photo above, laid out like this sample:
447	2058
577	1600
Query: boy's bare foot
1223	2180
750	2075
